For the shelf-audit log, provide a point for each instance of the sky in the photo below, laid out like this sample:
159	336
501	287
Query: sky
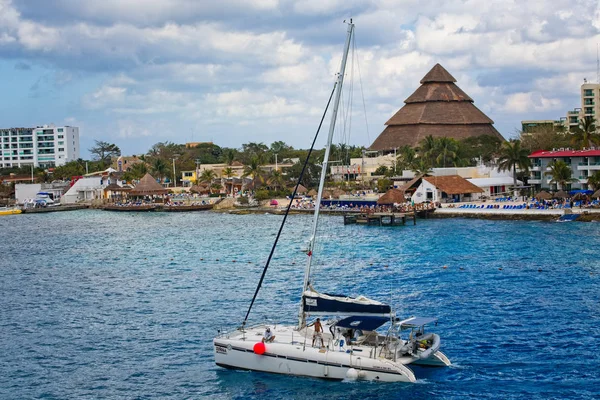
138	72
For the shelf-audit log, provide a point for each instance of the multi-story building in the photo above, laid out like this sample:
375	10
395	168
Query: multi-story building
583	164
590	100
44	146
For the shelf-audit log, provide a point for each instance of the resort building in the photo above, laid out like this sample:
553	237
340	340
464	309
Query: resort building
583	163
44	146
438	108
362	168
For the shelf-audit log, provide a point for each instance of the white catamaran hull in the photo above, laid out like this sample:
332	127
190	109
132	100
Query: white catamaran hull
313	362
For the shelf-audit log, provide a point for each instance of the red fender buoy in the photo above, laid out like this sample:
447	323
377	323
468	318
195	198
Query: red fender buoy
259	348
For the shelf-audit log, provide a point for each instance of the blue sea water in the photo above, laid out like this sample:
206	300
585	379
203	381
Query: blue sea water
97	304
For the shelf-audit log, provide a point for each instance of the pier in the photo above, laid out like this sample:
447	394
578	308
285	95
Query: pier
380	218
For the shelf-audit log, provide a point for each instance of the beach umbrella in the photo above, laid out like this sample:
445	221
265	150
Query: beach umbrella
326	194
337	193
301	189
543	195
579	196
596	195
312	192
561	194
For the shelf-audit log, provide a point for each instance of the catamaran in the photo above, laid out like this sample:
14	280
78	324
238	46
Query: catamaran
345	346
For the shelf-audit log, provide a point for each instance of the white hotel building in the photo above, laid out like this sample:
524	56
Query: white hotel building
583	163
44	146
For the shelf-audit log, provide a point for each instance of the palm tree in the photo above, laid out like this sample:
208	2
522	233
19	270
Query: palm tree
276	180
561	174
585	134
446	148
421	167
159	168
512	155
594	180
207	176
406	157
427	147
229	173
254	169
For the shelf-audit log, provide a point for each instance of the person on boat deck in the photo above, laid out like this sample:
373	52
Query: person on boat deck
268	337
318	331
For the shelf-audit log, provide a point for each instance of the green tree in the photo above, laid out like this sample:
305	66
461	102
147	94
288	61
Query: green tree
207	176
383	185
561	174
276	180
311	175
159	169
426	148
585	135
254	170
512	155
406	157
104	151
544	138
381	170
421	167
445	148
594	180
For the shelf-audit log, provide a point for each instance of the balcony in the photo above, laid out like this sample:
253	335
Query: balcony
588	167
535	181
583	179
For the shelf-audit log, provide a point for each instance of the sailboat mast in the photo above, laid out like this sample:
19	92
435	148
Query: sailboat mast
336	103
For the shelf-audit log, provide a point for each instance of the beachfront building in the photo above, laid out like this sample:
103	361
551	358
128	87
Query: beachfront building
583	163
363	168
441	189
43	146
438	108
24	191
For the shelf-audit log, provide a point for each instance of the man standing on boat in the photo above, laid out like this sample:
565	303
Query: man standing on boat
318	331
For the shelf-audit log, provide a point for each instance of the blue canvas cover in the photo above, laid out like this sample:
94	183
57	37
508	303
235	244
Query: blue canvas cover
323	304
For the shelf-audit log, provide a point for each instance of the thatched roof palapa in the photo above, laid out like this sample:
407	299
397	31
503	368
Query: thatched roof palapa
392	196
148	186
301	189
596	194
438	108
561	194
543	195
453	184
113	187
312	192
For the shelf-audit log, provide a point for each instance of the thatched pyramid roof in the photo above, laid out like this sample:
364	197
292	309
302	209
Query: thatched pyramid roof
453	184
438	108
543	195
312	192
392	196
148	186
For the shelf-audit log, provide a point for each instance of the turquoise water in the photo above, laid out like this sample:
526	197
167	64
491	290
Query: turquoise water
109	305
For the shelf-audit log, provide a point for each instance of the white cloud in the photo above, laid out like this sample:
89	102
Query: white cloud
522	103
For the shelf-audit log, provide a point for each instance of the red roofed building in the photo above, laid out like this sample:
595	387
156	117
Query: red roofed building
583	164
